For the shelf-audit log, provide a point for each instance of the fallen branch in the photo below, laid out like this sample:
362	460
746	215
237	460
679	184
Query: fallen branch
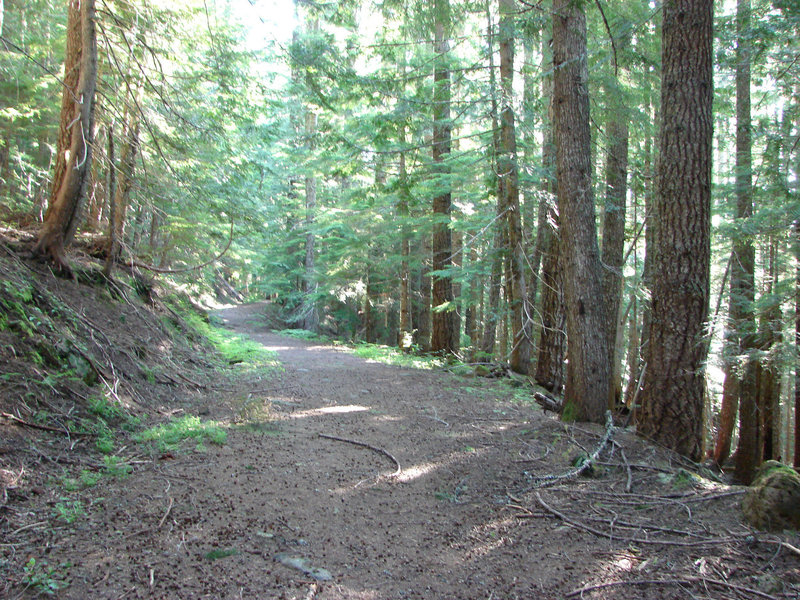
23	423
547	402
370	447
548	480
683	581
632	540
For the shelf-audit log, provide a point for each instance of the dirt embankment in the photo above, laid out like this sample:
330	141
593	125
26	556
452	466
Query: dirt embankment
347	479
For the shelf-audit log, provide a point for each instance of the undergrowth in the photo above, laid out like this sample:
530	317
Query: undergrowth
167	437
393	356
235	348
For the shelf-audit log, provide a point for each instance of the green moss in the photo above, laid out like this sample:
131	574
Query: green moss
569	413
221	553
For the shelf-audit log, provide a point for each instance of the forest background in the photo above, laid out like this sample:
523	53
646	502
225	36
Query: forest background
387	172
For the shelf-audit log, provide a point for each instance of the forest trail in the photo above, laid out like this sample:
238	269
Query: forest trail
279	511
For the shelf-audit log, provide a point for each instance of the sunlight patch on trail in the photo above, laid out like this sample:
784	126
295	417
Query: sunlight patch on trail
328	410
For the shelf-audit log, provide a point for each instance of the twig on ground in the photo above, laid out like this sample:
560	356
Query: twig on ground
370	447
682	581
166	514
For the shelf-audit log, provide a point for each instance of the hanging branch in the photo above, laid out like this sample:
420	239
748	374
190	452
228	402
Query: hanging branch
610	37
134	263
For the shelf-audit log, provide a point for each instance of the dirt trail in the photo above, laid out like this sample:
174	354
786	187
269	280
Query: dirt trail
282	501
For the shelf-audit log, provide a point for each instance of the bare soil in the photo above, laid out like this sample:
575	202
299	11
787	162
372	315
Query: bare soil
348	479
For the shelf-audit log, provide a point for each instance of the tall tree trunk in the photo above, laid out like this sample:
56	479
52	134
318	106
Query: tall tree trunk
405	329
548	164
674	382
741	387
508	170
369	317
74	163
614	242
443	334
470	321
587	381
423	320
311	312
111	187
553	339
650	234
497	254
768	374
122	192
797	344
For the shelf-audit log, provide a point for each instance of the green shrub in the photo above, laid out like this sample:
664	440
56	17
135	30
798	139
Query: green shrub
169	436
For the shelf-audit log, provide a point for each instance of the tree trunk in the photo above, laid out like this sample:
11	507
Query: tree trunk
553	339
74	163
741	388
111	187
768	374
311	313
492	309
122	191
674	383
587	381
443	335
405	329
614	242
507	170
423	321
797	344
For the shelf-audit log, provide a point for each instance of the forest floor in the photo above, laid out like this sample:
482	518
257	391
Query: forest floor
344	478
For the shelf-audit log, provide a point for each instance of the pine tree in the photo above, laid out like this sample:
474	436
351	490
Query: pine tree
674	382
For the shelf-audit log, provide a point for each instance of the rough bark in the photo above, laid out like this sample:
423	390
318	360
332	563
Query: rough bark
443	334
797	344
767	371
520	355
674	383
586	387
497	254
111	186
741	387
122	192
74	163
614	243
553	339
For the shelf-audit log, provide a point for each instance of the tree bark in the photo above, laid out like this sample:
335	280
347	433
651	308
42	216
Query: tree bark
741	388
520	356
797	344
614	242
311	313
405	331
587	381
122	192
74	163
111	186
443	334
553	339
673	393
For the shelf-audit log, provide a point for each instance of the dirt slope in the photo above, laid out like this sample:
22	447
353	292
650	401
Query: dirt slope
280	511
